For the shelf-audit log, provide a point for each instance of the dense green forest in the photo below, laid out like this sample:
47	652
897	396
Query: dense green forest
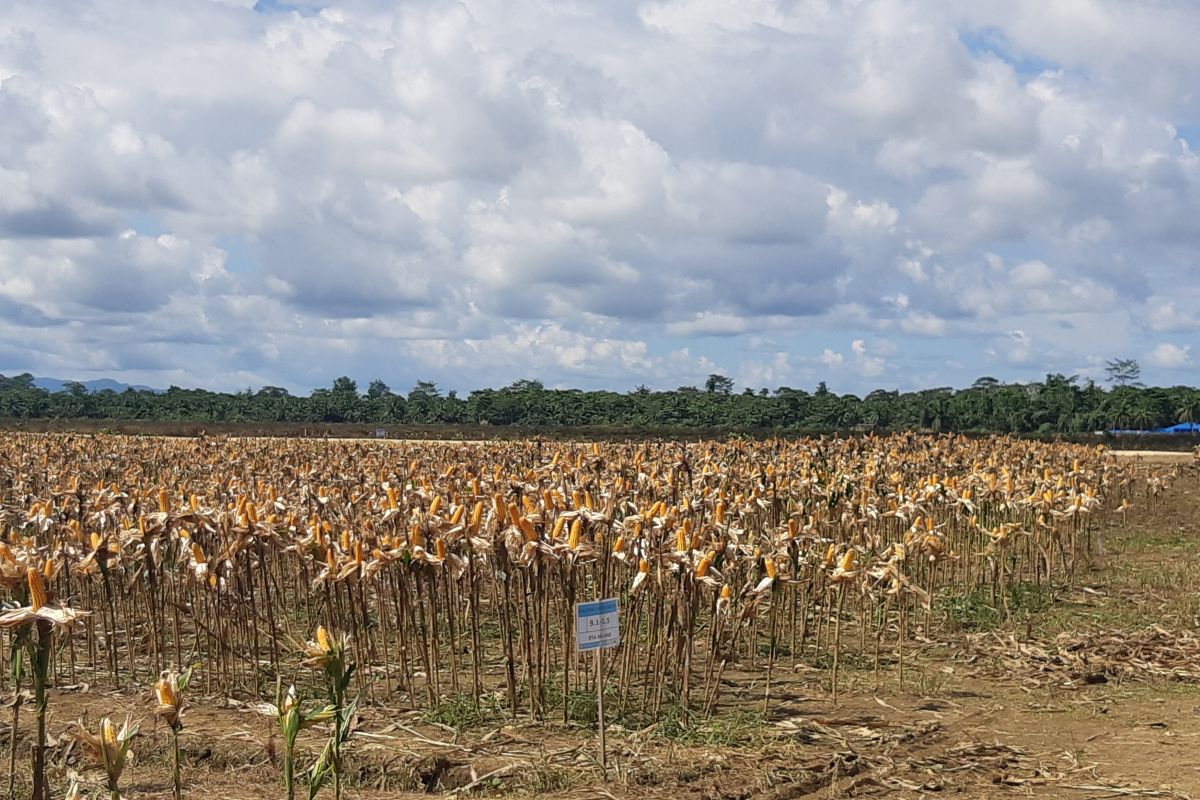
1058	404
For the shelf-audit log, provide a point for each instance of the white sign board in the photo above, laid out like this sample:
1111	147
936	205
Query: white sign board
597	624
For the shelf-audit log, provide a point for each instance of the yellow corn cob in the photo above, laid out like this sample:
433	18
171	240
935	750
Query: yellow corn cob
527	528
165	692
108	733
37	588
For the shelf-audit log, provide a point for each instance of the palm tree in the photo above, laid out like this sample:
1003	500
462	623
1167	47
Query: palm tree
1143	414
1188	409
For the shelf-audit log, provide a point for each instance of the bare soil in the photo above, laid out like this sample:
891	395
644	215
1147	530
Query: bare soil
1095	696
1157	456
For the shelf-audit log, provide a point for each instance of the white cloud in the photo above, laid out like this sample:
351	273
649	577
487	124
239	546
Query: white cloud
1167	316
708	323
551	349
1019	348
869	365
1031	275
923	324
872	366
1170	356
612	180
770	374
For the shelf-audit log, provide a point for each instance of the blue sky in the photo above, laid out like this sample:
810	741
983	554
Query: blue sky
286	7
877	194
993	41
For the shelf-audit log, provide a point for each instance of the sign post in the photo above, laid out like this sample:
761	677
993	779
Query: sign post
598	627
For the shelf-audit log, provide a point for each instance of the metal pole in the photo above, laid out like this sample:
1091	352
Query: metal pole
600	708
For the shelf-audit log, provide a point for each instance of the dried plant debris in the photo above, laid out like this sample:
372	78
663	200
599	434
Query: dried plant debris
1075	659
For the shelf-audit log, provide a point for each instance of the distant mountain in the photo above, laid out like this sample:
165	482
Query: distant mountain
98	385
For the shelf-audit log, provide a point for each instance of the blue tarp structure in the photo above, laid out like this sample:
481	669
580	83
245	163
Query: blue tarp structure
1183	427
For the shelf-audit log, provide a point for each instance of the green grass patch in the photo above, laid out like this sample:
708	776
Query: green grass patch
1146	541
978	610
740	728
462	712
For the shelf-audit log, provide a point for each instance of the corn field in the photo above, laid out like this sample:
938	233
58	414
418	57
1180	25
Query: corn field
451	571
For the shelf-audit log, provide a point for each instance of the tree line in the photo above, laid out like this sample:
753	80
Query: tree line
1058	404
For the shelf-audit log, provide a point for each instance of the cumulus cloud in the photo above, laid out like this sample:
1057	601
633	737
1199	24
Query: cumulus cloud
708	323
869	363
231	192
531	350
832	358
778	371
1018	348
923	324
1170	356
1168	316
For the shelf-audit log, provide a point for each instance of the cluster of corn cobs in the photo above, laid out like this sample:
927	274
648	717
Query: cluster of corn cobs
454	568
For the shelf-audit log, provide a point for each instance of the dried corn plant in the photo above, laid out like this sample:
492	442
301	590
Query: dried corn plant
452	569
169	692
109	747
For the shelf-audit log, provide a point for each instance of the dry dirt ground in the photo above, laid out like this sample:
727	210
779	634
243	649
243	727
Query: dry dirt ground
1094	695
1157	456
